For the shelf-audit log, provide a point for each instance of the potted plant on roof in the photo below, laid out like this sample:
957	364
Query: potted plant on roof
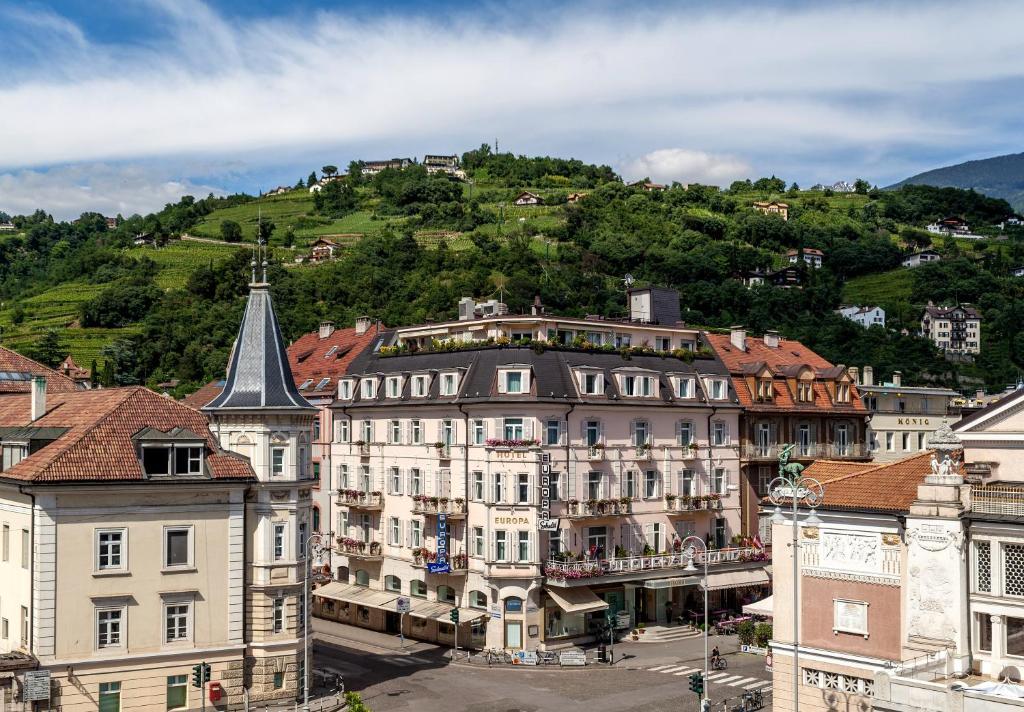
592	506
417	555
574	506
624	504
693	448
670	501
442	504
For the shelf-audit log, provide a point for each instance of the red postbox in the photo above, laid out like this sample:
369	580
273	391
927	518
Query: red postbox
216	692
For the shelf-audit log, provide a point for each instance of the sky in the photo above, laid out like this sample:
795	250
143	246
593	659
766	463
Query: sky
122	106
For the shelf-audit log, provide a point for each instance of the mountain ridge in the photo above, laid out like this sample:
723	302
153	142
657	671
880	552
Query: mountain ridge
996	177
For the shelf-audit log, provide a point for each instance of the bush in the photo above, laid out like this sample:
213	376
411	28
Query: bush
355	702
763	634
230	231
745	631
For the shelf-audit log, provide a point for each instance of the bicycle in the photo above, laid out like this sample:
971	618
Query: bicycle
719	663
547	657
493	655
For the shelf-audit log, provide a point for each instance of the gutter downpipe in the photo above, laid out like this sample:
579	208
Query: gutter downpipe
711	463
32	572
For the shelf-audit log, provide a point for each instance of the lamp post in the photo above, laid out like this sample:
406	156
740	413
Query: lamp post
792	489
695	544
314	546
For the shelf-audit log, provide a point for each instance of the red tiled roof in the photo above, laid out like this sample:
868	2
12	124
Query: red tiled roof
311	359
97	444
13	362
828	470
891	487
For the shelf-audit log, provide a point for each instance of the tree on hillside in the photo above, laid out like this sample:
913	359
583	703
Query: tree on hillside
311	181
337	199
329	171
861	186
355	172
770	185
50	350
230	231
264	229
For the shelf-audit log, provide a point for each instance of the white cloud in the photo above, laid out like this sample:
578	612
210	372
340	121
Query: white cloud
68	191
802	84
686	166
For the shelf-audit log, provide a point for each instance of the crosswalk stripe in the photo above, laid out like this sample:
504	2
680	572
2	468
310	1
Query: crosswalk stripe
674	668
744	681
688	671
400	661
729	680
715	677
661	667
759	683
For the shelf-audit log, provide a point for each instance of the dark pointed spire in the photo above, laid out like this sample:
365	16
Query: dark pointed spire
259	376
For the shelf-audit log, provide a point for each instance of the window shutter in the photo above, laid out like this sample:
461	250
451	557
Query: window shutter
571	484
527	428
531	547
501	383
649	534
773	433
600	430
667	485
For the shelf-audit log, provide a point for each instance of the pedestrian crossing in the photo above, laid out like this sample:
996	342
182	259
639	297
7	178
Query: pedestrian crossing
715	678
401	660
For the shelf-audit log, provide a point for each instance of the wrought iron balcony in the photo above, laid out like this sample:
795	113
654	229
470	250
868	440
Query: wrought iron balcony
359	499
590	568
360	549
422	504
1002	500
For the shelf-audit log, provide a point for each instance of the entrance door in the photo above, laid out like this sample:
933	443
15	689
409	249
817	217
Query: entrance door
391	622
514	635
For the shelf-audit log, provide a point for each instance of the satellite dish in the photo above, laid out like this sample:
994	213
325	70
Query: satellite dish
629	280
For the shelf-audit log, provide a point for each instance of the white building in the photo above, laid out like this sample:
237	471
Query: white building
955	329
916	259
865	316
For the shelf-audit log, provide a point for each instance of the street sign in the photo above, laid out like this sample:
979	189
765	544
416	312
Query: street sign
37	685
572	658
527	657
622	620
402	604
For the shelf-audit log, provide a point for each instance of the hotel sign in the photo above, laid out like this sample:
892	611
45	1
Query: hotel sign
544	521
913	421
440	566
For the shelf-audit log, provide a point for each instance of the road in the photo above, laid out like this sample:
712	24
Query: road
646	679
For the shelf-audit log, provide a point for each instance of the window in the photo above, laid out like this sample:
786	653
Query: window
641	433
5	629
278	613
478	486
523	549
592	432
279	541
446	594
178	546
395	432
553	432
449	384
394	480
416	533
416	431
684	388
368	388
641	386
418	588
415	481
594	485
983	566
921	441
24	625
500	545
176	622
156	460
277	461
623	340
188	460
906	442
984	635
6	544
177	691
1013	570
343	431
523	488
110	550
689	483
394	531
367	431
555	542
591	384
765	390
110	697
478	541
479	432
1014	635
685	433
345	390
419	386
514	382
108	627
719	434
805	391
805	440
477	599
597	540
718	389
632	489
499	488
890	442
316	517
278	680
650	484
393	583
554	485
316	428
719	480
843	392
362	578
513	428
394	387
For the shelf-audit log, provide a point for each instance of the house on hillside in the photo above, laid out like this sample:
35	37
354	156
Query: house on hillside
952	227
916	259
865	316
647	185
75	372
372	168
322	249
575	197
279	190
7	227
528	198
809	255
955	329
448	165
111	223
843	186
1018	272
773	208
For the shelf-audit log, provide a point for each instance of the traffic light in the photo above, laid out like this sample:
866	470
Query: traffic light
206	672
697	683
197	675
454	615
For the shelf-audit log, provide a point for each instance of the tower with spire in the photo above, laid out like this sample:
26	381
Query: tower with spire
260	414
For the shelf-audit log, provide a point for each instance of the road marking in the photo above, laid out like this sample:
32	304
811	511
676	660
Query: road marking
759	683
689	671
675	668
715	677
401	661
729	680
745	681
661	667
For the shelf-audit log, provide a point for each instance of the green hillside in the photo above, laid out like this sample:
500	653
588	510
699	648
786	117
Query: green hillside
998	177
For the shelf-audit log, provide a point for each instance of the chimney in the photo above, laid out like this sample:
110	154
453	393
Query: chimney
538	308
38	397
326	329
979	395
771	339
467	307
854	374
363	324
738	337
869	376
897	378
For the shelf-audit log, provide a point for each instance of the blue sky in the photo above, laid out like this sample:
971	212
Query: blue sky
123	106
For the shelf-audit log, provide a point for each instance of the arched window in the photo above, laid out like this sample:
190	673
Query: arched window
478	599
446	594
362	578
513	605
393	583
417	587
316	518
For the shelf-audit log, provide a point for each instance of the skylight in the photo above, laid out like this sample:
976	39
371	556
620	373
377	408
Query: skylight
305	384
323	382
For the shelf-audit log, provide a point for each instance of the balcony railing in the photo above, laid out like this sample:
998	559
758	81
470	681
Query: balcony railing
811	451
595	453
360	549
457	563
360	499
364	449
594	568
1005	500
693	503
443	451
422	504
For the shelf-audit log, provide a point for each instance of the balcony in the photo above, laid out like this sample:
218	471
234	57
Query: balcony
521	444
604	570
683	504
458	564
755	452
595	453
443	451
360	549
363	448
643	453
1001	500
454	508
359	499
591	508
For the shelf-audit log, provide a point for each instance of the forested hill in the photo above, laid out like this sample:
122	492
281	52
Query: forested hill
138	304
997	177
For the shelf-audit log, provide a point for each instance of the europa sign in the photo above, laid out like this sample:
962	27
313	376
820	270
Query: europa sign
440	566
544	521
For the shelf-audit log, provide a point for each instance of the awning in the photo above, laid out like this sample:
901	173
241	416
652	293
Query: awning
759	608
356	594
429	609
735	579
577	600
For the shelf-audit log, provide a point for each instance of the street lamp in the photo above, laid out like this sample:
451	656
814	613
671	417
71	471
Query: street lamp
792	489
695	544
314	546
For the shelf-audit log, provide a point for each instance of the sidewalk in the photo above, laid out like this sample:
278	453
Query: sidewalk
351	636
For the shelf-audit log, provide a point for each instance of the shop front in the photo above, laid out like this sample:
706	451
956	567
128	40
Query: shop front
681	598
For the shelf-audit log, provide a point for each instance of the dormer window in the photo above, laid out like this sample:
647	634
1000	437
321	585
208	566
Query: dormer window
765	391
419	386
842	392
393	387
637	386
176	452
449	384
685	387
368	388
345	389
717	389
591	383
805	391
514	381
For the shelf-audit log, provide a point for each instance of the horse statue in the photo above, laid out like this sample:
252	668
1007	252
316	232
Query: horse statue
792	469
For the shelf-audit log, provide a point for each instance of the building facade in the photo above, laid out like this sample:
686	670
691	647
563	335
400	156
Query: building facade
533	472
955	329
773	208
865	316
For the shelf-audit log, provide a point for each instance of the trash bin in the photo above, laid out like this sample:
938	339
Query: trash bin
602	653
